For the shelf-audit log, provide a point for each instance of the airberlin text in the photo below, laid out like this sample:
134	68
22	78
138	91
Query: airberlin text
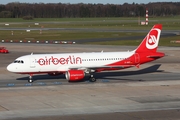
59	61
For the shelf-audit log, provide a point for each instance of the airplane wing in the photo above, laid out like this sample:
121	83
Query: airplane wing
102	67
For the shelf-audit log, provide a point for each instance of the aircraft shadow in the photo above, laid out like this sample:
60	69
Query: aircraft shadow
42	77
113	75
101	75
151	69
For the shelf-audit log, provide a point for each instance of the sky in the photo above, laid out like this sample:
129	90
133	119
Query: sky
86	1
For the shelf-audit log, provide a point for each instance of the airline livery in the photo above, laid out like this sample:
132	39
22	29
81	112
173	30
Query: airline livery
76	66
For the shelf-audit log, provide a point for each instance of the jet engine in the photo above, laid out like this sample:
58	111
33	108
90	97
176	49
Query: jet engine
74	75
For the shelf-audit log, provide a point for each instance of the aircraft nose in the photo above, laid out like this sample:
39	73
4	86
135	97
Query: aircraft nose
10	68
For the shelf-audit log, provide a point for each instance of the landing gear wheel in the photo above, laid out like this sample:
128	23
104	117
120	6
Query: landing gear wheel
30	81
92	79
30	78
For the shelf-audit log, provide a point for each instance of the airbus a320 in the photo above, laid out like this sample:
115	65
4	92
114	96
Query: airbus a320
76	66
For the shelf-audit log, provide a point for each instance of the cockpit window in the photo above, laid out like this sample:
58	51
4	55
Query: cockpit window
15	61
19	61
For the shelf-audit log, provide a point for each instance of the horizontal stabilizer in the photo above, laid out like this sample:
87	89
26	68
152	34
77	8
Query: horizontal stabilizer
156	55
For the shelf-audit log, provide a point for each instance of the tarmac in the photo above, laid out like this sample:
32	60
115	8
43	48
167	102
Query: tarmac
148	93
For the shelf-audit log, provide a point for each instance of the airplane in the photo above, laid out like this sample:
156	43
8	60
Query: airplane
77	66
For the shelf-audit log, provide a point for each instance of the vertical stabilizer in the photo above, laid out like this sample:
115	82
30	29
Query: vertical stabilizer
150	42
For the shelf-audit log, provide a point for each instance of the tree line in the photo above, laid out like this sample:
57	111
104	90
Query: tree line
61	10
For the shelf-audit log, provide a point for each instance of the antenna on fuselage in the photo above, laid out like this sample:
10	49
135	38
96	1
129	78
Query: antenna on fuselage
32	53
102	51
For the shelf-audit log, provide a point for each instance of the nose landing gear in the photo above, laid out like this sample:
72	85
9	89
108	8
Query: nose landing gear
30	78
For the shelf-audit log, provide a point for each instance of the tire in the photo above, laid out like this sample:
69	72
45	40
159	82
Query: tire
30	81
92	79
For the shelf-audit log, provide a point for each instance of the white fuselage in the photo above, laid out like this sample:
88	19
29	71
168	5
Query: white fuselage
66	61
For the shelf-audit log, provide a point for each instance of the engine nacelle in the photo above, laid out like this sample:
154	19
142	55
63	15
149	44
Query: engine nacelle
75	75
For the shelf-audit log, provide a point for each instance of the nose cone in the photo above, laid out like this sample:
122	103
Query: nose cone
11	68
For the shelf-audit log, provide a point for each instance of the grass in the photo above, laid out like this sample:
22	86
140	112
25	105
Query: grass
169	23
62	35
173	18
168	41
124	23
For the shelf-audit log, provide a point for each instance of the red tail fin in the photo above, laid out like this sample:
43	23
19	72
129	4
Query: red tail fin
150	42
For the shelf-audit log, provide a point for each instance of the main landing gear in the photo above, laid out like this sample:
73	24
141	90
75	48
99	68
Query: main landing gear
92	79
30	78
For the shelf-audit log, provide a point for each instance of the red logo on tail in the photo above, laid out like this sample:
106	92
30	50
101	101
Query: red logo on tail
153	38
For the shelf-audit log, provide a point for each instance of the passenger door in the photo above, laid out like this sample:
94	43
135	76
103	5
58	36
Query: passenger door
32	62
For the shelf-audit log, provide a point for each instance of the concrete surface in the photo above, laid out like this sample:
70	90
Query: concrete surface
127	94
